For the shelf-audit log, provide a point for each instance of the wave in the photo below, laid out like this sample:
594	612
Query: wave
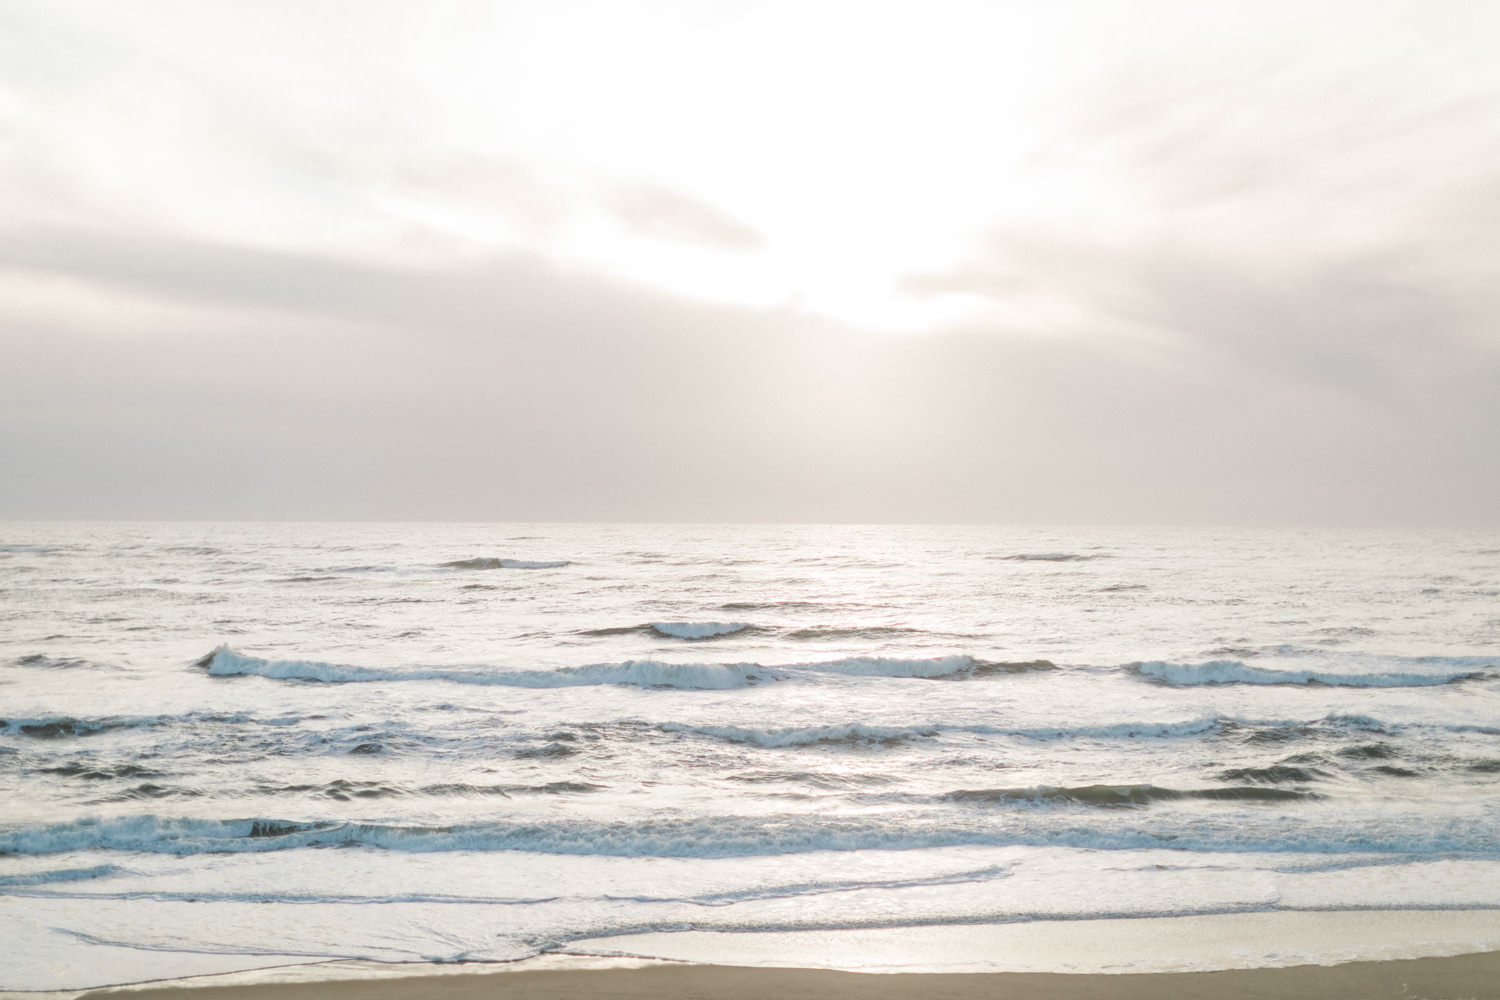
49	727
1235	672
860	734
60	726
697	630
1275	774
1122	795
483	562
873	633
344	790
855	734
225	662
691	631
775	606
45	662
87	772
1093	817
1047	557
61	875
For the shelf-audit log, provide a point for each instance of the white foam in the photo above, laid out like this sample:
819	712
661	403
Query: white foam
882	666
224	662
1235	672
697	630
1005	822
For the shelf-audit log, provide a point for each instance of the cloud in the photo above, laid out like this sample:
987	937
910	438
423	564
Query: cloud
1225	268
657	213
278	385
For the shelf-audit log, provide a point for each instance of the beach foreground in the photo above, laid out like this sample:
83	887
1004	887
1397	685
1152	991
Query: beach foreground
1464	976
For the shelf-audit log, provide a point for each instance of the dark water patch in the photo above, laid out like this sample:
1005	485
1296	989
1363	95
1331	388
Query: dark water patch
340	790
1276	774
551	751
487	562
984	668
681	631
62	728
88	772
814	779
1344	632
1301	759
1369	751
151	790
1122	588
1279	734
1395	771
775	606
1233	650
45	662
873	633
506	791
1489	765
1049	557
265	828
305	579
1117	796
148	791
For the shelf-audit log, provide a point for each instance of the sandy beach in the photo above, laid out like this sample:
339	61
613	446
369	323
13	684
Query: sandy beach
1476	977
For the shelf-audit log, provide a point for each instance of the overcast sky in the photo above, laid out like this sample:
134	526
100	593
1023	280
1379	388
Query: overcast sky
1053	262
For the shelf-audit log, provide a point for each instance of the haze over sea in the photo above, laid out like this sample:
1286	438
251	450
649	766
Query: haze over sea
231	746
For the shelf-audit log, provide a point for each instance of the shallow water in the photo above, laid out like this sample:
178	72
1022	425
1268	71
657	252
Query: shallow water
247	743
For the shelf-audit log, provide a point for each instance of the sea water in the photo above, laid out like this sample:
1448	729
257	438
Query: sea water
227	746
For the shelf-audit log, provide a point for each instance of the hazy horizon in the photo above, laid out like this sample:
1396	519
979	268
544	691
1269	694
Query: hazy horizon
1158	263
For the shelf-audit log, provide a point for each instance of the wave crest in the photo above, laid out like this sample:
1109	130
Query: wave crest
225	662
1235	672
486	562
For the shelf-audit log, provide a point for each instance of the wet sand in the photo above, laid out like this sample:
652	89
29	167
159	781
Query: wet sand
1465	976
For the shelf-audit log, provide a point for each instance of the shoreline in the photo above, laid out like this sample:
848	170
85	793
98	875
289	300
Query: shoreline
1473	977
1330	954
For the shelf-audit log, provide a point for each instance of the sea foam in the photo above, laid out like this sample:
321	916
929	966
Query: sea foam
1235	672
225	662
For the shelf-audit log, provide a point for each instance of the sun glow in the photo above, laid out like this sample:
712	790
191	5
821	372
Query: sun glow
867	146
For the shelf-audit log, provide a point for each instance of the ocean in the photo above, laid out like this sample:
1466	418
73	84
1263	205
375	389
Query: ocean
235	746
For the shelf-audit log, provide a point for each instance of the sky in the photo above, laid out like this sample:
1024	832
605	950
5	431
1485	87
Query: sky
1074	262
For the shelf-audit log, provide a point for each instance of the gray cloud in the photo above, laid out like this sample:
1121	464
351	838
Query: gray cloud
515	390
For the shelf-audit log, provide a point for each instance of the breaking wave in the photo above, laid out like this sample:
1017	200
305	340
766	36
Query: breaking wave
1041	816
1122	795
225	662
1235	672
697	630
